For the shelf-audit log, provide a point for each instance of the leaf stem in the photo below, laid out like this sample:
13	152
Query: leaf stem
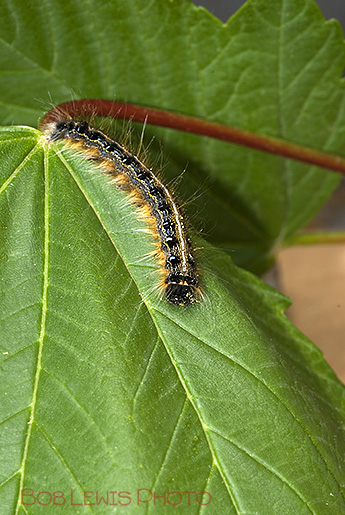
137	113
315	238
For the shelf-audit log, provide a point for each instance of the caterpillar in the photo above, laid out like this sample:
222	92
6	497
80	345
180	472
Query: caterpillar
180	282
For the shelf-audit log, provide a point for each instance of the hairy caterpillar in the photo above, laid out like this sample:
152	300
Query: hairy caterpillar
175	253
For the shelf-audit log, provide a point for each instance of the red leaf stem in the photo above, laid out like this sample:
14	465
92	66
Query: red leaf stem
123	110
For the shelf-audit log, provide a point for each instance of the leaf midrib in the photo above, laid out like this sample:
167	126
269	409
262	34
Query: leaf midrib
43	327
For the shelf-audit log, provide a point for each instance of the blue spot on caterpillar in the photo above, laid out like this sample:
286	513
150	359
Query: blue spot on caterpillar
180	279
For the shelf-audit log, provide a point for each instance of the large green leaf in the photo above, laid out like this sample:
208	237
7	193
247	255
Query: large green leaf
275	68
106	387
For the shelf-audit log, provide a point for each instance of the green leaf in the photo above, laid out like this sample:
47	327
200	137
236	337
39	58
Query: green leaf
275	69
106	387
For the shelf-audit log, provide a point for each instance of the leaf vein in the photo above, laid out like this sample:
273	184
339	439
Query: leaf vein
141	382
265	465
43	326
166	454
62	459
19	167
13	415
84	410
275	394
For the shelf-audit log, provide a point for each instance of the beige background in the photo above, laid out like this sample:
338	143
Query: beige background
314	278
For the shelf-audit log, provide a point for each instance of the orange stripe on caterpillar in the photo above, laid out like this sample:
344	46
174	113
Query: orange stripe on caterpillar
180	279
